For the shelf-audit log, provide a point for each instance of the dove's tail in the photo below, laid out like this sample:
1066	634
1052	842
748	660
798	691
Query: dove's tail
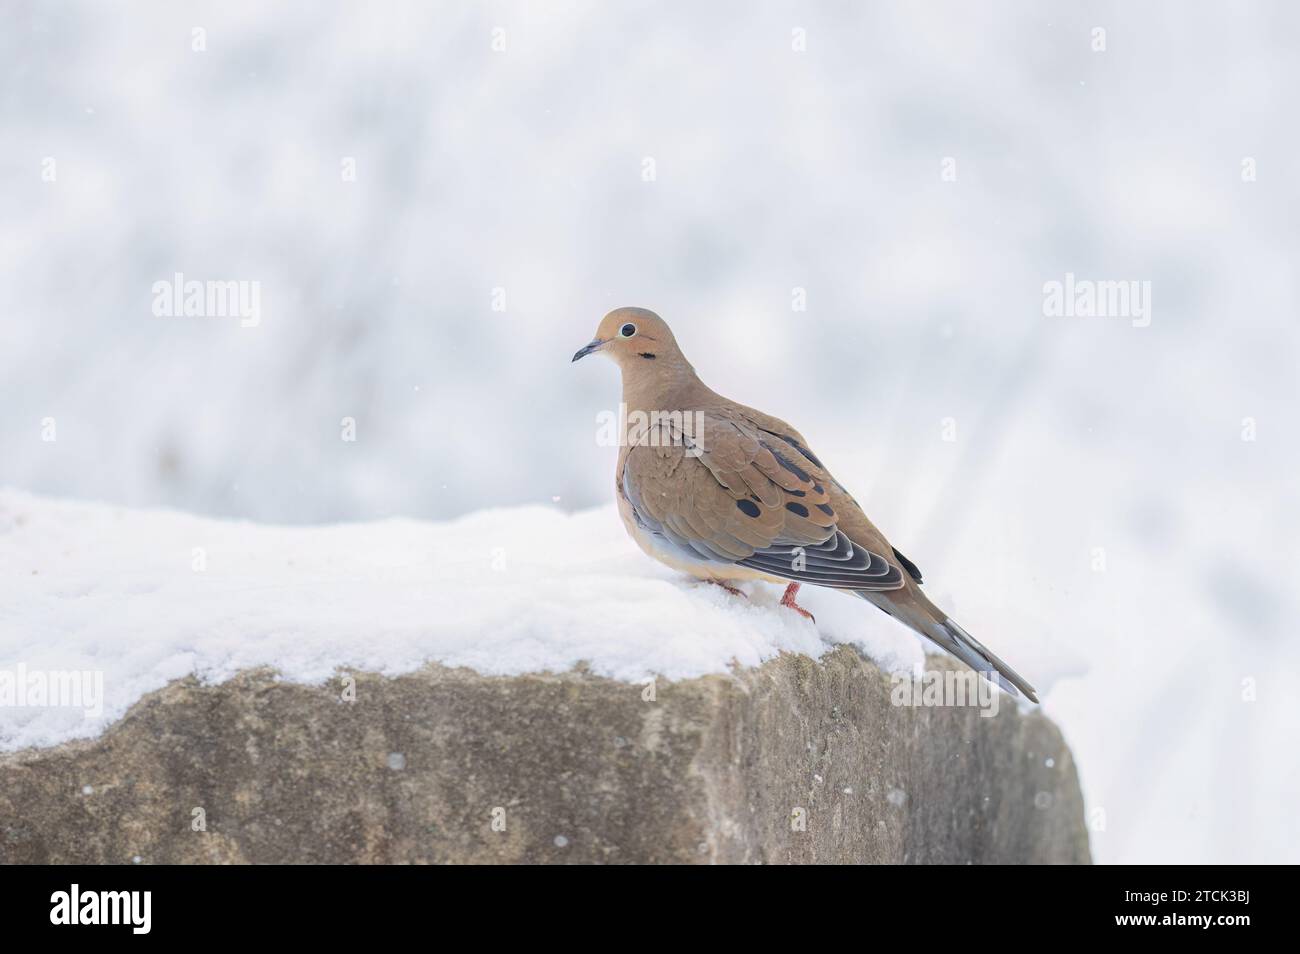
911	607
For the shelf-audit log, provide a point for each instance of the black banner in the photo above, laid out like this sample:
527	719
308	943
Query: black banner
137	904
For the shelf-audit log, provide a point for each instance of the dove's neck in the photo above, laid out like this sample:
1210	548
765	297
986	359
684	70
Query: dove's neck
671	386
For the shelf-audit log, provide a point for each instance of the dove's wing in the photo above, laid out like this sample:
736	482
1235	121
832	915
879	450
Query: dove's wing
732	493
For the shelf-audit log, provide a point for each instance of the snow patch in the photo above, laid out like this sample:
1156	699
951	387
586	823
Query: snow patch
149	596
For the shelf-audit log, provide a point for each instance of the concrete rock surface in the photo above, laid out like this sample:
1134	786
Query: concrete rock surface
798	761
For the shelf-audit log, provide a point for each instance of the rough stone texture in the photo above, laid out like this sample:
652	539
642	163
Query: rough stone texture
585	769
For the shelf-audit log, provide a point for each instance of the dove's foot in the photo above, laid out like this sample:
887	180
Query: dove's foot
729	588
791	592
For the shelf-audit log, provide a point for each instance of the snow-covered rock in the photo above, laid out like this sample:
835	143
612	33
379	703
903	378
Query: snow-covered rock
516	685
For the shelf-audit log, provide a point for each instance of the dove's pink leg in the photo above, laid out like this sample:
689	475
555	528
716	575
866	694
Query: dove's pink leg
791	592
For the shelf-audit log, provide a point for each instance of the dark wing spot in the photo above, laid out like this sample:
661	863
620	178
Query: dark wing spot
797	446
748	508
797	493
792	468
819	489
826	509
805	451
797	508
912	569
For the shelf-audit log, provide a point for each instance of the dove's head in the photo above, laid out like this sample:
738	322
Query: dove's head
635	338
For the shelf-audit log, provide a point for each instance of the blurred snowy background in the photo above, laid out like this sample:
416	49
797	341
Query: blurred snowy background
1117	513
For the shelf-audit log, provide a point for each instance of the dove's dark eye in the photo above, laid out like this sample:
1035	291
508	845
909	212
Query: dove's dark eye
628	330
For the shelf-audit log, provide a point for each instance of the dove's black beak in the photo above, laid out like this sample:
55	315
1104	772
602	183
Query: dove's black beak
595	345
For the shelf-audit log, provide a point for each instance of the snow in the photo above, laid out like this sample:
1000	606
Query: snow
148	596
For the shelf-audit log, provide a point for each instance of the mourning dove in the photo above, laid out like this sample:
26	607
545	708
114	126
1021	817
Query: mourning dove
726	493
